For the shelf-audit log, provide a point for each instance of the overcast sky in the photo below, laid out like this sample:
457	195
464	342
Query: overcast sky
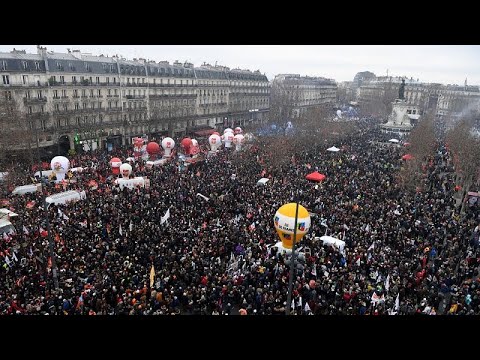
448	64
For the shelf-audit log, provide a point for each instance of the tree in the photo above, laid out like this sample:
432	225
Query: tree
17	129
169	112
284	98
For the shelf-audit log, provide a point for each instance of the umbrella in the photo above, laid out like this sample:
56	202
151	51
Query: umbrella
333	148
316	176
407	157
394	141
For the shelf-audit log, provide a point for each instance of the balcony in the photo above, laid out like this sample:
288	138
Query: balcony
114	109
135	96
35	100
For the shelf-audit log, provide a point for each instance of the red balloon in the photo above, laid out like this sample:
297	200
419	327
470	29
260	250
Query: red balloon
186	143
153	148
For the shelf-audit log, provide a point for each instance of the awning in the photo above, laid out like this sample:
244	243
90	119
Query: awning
205	132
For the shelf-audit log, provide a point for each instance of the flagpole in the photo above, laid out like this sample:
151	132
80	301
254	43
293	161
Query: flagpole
292	264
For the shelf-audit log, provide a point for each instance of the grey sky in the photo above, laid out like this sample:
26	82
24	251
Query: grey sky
448	64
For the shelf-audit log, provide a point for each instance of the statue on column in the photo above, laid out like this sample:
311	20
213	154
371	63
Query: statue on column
401	90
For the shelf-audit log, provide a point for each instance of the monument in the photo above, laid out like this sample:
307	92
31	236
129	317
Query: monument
403	116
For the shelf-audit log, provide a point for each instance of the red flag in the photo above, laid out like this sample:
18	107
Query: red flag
43	232
30	204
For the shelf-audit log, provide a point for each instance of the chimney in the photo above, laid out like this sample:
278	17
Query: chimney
41	50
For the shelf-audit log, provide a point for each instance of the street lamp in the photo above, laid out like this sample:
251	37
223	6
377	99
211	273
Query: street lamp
45	210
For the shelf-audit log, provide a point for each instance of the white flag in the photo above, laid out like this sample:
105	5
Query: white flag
387	282
165	217
120	231
14	256
307	307
397	302
299	302
358	262
7	260
25	231
293	304
131	227
203	196
314	270
371	246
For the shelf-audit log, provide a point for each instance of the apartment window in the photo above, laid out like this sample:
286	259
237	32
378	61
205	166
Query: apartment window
108	80
77	120
92	105
109	92
77	106
99	104
30	110
91	92
57	107
65	107
138	80
109	104
116	104
74	79
144	92
75	93
123	93
154	81
114	80
42	109
37	65
25	79
99	92
6	79
116	92
66	122
4	65
128	80
91	81
85	119
64	93
97	79
84	105
87	67
55	94
143	81
39	94
62	79
25	65
134	105
84	93
82	78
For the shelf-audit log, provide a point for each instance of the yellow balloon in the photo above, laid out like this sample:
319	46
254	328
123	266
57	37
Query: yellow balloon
284	222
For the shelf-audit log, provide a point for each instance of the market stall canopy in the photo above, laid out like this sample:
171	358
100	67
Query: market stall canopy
316	176
394	141
333	149
262	181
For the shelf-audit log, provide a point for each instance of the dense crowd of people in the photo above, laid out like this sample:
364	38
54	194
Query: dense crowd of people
406	252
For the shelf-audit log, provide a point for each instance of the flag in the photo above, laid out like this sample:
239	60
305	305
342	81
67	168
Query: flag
307	307
152	276
299	302
358	262
130	227
120	231
30	205
43	232
314	270
346	227
376	298
7	260
397	302
232	257
324	223
165	217
293	304
198	173
14	256
387	282
252	226
25	231
371	246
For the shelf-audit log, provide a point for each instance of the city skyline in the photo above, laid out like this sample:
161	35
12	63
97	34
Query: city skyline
446	64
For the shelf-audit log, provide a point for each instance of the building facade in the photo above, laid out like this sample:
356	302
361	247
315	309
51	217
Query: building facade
296	94
106	101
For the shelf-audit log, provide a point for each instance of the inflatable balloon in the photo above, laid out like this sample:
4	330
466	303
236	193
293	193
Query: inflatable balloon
216	133
153	149
214	141
238	130
137	146
227	130
284	222
125	170
115	163
339	113
228	139
238	140
168	144
186	144
60	165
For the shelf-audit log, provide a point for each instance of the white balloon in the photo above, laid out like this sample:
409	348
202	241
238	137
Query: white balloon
228	130
194	142
214	141
168	144
228	139
60	165
125	170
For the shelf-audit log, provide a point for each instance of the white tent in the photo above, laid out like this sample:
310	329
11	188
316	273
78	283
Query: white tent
333	148
329	240
262	181
394	141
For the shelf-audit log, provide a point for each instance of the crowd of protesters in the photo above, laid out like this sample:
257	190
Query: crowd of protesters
406	252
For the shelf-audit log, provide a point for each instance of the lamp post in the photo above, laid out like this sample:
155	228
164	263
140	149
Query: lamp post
45	210
292	264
